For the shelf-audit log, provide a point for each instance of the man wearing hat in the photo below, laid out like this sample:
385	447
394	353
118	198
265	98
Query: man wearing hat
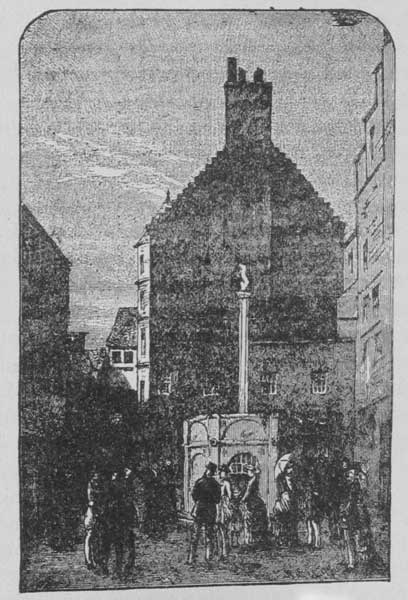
206	495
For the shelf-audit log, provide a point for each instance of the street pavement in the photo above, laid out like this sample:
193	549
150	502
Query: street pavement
161	563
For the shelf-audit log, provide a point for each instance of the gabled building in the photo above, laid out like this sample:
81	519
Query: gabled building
122	344
250	205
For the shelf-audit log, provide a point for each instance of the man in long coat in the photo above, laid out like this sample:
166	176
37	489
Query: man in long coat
355	520
206	495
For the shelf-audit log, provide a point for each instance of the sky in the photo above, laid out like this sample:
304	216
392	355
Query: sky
117	107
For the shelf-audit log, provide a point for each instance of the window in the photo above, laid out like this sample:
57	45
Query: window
143	341
372	131
142	391
365	363
141	264
142	301
166	386
240	462
350	261
366	308
319	382
375	294
365	255
378	346
270	384
128	356
116	356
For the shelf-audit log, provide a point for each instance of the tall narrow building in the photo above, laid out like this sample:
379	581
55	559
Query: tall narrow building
369	258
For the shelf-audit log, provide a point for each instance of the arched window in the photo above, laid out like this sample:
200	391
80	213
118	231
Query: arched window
239	462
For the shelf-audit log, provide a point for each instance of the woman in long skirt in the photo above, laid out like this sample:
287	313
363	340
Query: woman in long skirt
224	512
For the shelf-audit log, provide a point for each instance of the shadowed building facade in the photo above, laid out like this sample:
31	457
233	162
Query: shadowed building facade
44	360
250	205
45	275
368	297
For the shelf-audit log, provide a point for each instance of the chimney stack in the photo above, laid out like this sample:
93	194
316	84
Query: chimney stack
248	107
232	70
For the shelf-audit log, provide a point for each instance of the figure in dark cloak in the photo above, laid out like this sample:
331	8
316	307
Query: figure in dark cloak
355	521
206	495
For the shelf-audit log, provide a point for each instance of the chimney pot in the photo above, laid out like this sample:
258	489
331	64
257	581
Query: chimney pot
232	69
258	75
241	74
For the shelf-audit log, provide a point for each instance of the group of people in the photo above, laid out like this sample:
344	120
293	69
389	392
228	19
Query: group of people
123	504
230	511
226	510
315	489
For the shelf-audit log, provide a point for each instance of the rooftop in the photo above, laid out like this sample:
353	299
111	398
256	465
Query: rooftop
124	330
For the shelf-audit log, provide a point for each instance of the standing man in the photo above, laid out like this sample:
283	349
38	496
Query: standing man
131	521
206	495
350	515
168	481
116	522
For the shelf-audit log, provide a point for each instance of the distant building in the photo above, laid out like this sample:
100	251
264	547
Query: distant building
44	360
45	313
369	281
122	344
250	205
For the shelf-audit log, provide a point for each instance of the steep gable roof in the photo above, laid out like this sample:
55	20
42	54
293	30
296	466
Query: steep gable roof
27	216
124	330
266	162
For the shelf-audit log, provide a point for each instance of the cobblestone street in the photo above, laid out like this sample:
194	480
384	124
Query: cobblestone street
162	563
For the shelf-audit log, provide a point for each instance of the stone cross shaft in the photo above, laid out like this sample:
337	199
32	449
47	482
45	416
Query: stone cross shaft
243	351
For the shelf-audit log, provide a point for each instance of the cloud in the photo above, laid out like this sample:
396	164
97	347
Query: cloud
107	171
141	165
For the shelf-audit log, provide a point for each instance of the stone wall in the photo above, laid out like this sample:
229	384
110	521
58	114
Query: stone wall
253	207
292	366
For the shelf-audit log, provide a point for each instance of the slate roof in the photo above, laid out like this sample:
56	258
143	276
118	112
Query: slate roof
124	330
